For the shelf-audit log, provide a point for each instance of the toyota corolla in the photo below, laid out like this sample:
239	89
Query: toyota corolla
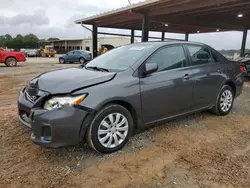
126	89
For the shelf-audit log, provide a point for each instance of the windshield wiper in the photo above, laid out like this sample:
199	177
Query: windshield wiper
98	69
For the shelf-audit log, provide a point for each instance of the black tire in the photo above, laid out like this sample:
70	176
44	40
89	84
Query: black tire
61	60
92	132
82	60
217	109
11	62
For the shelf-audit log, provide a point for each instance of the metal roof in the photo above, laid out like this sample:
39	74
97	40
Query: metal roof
178	16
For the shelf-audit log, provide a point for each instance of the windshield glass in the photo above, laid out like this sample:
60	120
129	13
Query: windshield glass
120	59
51	48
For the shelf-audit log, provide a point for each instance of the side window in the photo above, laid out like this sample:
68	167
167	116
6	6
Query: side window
215	58
200	55
78	53
169	58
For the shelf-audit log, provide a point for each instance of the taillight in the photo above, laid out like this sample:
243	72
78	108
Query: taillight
242	69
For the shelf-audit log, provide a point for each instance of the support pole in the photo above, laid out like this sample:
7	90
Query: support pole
162	35
145	27
94	41
186	36
132	40
243	44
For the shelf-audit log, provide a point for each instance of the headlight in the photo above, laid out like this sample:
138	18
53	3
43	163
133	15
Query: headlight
59	102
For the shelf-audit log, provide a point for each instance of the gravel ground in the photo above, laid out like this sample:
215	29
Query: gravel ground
201	150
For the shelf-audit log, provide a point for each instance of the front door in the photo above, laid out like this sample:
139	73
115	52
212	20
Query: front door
167	92
69	56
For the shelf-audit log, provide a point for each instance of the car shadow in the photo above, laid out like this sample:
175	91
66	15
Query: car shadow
83	152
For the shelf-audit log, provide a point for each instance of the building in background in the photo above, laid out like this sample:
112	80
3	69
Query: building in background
65	45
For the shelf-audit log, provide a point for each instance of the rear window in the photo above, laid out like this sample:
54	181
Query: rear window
201	55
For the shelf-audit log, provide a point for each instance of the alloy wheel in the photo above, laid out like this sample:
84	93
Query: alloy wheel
82	60
113	130
226	100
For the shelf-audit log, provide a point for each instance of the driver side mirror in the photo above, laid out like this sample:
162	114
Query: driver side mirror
66	54
150	68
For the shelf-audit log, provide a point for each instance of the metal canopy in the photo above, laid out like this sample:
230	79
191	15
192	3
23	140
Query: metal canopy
178	16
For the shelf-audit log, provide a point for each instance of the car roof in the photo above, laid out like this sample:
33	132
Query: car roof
78	51
163	43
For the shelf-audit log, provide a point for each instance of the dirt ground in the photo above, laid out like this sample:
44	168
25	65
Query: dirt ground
198	151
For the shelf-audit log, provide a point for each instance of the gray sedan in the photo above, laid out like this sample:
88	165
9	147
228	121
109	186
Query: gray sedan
127	89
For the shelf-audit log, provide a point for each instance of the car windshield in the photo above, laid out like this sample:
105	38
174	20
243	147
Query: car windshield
120	59
51	48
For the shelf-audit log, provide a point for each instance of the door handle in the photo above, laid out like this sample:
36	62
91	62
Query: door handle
186	77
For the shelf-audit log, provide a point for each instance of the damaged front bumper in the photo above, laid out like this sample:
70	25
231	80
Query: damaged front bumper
56	128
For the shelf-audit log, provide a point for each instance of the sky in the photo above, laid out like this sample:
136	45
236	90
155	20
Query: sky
55	18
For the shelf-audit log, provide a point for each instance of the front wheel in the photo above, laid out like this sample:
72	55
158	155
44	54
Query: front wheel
224	101
61	60
110	129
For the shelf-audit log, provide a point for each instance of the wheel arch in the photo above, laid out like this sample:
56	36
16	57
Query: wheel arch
82	57
10	57
123	103
232	85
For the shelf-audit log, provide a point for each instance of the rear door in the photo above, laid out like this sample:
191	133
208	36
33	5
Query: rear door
206	74
168	91
77	55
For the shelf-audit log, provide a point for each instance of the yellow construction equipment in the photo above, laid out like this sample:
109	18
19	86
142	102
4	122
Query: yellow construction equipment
47	51
104	48
2	48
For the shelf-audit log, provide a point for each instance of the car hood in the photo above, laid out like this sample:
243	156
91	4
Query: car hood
68	80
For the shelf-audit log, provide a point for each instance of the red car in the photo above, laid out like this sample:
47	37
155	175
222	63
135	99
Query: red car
10	59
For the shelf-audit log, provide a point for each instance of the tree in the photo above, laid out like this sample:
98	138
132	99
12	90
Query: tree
8	37
18	42
2	40
51	39
27	41
30	41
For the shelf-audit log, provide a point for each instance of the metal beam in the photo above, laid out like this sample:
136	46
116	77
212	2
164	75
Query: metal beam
162	35
145	27
132	40
187	5
243	44
94	41
136	36
186	36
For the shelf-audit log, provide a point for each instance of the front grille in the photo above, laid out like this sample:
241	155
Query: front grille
31	98
32	91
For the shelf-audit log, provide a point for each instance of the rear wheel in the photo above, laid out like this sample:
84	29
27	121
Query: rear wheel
82	60
110	129
224	101
11	62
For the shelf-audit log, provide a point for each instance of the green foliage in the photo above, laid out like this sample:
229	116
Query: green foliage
51	39
27	41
